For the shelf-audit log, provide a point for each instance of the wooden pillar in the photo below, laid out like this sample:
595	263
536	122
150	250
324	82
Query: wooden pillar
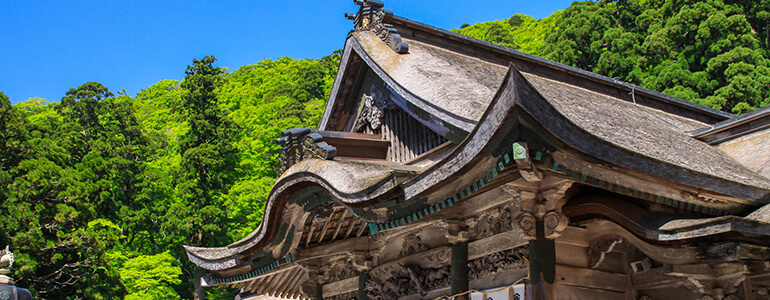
362	279
542	264
198	293
458	271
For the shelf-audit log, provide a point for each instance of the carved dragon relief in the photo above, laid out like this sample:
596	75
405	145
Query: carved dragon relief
396	280
491	222
499	262
411	276
342	267
371	17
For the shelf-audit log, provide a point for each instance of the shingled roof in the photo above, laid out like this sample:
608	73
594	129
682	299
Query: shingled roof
476	94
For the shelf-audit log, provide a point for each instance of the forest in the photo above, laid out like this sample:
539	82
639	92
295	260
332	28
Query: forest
99	191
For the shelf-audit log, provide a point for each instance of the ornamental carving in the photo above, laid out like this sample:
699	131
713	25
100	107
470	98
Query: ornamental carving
373	111
491	222
395	281
371	17
412	244
300	144
337	270
542	204
597	249
499	262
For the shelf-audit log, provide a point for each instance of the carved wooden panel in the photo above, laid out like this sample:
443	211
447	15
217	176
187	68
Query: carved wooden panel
396	280
491	222
499	262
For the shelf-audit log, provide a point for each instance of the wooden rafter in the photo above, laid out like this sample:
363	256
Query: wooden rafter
339	223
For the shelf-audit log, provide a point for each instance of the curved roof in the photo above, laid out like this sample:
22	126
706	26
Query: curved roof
594	118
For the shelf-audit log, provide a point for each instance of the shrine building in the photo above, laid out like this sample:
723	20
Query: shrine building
445	165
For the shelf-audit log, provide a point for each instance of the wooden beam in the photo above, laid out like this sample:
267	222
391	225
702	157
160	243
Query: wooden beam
353	222
295	280
340	287
341	246
339	223
263	285
459	269
269	285
655	278
589	278
328	222
361	230
496	243
252	286
576	292
284	281
310	234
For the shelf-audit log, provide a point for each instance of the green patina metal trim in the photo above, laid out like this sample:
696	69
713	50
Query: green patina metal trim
423	210
258	270
547	159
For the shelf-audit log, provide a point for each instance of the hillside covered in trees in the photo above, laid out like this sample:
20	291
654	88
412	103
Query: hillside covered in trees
712	52
99	191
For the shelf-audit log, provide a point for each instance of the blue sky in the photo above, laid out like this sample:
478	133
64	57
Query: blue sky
49	47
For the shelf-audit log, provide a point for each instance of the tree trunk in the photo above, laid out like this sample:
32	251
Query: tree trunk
198	293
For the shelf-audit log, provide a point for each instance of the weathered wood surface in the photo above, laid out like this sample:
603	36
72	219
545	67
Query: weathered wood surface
408	138
496	243
587	278
505	56
567	292
340	287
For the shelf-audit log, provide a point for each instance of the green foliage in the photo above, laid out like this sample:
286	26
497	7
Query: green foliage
710	52
263	99
100	192
150	277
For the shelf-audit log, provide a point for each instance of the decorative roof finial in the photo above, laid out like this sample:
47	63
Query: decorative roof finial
371	17
6	261
300	144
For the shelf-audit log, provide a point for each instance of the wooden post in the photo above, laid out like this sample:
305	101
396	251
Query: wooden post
542	264
458	272
198	293
362	279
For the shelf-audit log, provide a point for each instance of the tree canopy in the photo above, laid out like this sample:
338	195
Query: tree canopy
100	191
712	52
